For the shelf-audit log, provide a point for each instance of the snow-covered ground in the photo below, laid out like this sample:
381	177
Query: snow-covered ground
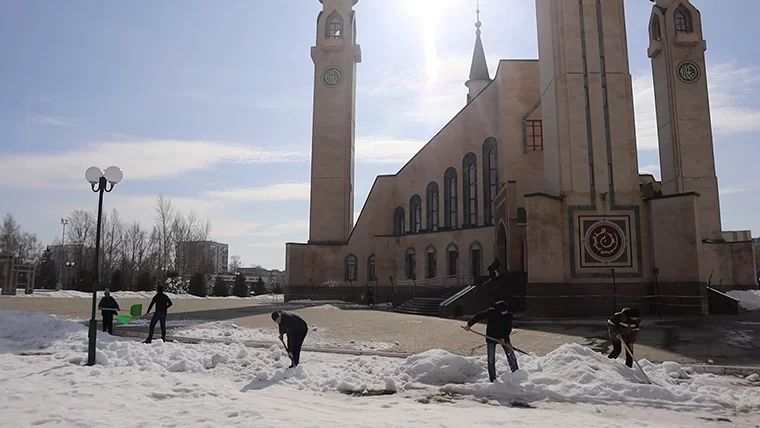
316	337
211	385
749	299
73	294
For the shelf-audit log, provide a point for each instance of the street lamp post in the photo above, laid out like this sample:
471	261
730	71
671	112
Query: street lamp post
64	222
69	267
101	182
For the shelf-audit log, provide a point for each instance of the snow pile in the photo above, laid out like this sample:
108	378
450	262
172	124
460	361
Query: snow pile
437	367
317	337
570	374
748	299
73	294
24	331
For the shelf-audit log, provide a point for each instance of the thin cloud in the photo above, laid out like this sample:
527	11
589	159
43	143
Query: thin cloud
386	149
269	244
730	87
739	188
55	121
283	229
274	192
140	160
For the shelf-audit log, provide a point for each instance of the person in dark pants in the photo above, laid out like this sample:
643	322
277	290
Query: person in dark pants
162	303
295	327
498	330
108	308
370	297
624	326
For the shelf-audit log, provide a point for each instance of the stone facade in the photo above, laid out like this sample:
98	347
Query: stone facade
539	169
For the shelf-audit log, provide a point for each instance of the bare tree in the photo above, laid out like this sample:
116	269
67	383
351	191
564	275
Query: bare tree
235	263
10	235
81	233
113	238
29	248
164	218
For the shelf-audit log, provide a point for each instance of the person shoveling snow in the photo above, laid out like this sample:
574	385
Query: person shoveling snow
296	328
497	332
623	327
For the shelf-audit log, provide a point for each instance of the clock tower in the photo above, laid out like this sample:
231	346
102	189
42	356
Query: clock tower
687	161
335	56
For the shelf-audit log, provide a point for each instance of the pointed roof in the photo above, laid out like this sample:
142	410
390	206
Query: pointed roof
479	67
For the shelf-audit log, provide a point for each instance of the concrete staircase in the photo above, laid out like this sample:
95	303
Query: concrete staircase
427	306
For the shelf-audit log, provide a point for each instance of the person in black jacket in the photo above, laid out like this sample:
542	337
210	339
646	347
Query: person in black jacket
162	303
498	330
296	328
108	308
624	326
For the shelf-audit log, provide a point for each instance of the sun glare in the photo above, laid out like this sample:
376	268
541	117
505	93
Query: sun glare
428	13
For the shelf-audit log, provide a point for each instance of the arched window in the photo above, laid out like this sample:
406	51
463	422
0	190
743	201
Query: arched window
410	264
431	206
452	259
352	271
415	214
371	268
470	189
654	28
334	26
431	267
450	198
476	260
399	221
682	18
490	179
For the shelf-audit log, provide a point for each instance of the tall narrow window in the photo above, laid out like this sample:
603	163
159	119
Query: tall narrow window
476	260
334	26
399	221
470	189
415	214
431	267
490	179
682	19
654	28
371	268
452	260
410	264
535	134
431	207
352	273
450	198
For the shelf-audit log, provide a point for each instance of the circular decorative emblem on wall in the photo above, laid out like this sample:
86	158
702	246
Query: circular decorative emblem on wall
688	72
605	241
332	76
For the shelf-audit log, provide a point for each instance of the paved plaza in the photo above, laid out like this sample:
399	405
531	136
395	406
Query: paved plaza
727	340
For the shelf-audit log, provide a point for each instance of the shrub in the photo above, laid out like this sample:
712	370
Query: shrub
220	287
241	288
198	285
260	288
145	281
117	280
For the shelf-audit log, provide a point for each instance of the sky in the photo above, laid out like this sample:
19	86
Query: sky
210	104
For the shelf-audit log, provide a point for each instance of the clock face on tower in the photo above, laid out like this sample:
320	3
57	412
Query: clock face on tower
332	77
688	72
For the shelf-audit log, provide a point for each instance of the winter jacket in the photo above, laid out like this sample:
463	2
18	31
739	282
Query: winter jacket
499	326
108	306
292	324
619	324
162	302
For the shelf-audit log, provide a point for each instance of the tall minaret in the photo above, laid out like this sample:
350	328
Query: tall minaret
479	76
335	57
687	161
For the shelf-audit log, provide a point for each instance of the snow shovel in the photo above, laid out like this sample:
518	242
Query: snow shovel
634	360
488	337
286	350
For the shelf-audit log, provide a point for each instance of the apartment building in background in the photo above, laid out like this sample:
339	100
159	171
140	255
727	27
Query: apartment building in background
209	257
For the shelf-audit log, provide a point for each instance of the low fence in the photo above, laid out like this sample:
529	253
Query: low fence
389	291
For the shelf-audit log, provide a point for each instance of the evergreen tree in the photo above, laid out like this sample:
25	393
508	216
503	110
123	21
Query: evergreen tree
198	285
47	271
145	281
241	288
117	280
260	288
220	287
